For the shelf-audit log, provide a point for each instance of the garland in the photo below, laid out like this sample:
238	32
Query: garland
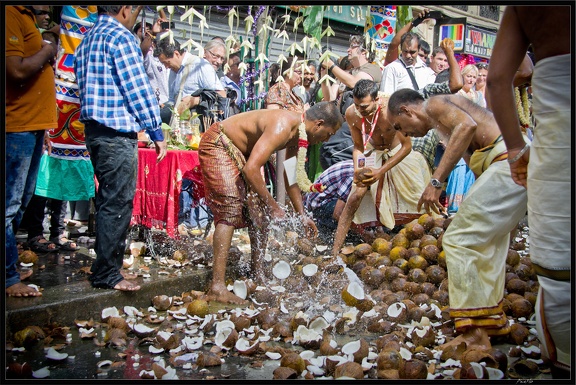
301	177
522	106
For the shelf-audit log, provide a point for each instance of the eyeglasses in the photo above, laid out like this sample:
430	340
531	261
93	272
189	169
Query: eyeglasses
218	57
40	12
353	46
482	66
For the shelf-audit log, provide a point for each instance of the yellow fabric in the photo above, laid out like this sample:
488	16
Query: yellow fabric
402	187
481	159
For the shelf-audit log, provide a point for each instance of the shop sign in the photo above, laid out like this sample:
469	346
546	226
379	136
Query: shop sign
453	29
479	42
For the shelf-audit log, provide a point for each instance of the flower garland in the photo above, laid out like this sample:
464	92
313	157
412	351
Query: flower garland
301	177
523	106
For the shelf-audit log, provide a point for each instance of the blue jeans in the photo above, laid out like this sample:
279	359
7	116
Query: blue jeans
23	154
115	161
191	216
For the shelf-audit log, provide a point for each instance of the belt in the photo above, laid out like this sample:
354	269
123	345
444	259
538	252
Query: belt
96	128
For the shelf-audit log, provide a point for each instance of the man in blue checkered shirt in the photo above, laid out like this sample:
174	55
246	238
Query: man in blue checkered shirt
327	205
117	101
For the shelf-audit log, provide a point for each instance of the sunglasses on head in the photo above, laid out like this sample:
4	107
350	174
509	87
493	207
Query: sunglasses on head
482	66
40	12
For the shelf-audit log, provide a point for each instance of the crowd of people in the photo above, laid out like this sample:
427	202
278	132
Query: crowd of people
378	147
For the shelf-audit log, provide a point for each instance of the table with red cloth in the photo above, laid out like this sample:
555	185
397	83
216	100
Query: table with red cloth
158	188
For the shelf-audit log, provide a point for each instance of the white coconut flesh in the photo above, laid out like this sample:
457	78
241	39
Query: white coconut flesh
355	290
52	354
240	289
310	269
281	270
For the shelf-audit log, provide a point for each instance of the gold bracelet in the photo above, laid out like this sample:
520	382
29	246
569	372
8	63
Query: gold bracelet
519	155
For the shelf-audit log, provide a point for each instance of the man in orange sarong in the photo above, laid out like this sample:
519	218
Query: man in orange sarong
231	154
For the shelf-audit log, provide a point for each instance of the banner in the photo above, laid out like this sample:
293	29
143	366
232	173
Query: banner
381	24
479	42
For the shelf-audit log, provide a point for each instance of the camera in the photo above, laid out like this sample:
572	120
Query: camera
167	25
428	15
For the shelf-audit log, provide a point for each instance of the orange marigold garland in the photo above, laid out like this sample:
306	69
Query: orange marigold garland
301	177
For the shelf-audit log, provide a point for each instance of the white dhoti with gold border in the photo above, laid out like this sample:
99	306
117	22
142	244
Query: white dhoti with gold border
397	192
476	243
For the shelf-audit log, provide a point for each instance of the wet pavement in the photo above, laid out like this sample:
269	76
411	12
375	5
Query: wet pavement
69	301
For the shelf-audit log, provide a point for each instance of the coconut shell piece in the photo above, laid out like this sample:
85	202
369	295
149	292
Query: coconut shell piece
349	370
284	373
523	369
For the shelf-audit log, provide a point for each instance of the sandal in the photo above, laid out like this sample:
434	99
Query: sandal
36	245
65	244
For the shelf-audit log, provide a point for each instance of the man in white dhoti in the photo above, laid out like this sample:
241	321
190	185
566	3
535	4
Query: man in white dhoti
544	166
388	176
476	242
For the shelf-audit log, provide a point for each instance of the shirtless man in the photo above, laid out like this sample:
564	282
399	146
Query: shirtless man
476	242
231	154
544	166
380	155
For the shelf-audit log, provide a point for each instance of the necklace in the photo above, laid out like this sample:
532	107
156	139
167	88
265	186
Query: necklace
372	125
522	106
301	177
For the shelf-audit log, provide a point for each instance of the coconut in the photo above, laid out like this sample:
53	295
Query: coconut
402	264
417	262
241	322
206	359
358	349
412	251
428	239
281	270
398	284
362	250
388	359
436	232
115	334
118	322
162	302
28	256
427	287
398	252
328	347
414	230
281	329
416	314
430	253
435	274
109	312
400	240
358	266
137	248
524	272
198	307
266	296
305	246
530	297
413	369
294	361
142	330
310	269
284	373
501	359
516	285
391	273
522	308
412	287
421	298
479	356
240	289
518	333
382	246
388	374
364	305
373	277
441	296
268	317
417	275
226	337
423	336
352	293
473	371
512	258
397	312
444	223
349	370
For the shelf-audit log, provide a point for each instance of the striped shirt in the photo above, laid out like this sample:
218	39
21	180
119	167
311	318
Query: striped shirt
114	88
338	180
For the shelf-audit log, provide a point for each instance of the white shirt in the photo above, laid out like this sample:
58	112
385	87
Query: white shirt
200	76
395	76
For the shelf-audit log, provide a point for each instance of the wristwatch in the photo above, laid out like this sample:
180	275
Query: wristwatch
436	183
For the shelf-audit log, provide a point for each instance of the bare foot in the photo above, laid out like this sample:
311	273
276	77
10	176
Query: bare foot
21	290
25	274
219	295
124	285
475	337
128	275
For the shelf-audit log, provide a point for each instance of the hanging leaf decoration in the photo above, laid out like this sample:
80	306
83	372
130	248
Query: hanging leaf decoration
231	15
313	20
248	22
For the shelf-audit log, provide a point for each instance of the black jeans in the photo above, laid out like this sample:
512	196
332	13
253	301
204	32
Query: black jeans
33	219
114	156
